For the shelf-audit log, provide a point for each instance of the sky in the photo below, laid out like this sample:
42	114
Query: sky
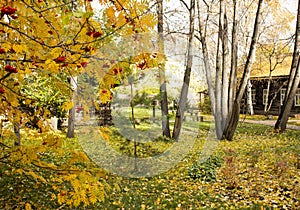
176	67
290	5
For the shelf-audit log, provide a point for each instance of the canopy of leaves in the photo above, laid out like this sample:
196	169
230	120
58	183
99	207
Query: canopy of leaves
43	43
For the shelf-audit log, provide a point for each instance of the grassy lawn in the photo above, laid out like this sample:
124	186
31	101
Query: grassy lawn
259	169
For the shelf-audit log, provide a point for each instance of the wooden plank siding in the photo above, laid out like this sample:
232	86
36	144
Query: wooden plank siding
277	83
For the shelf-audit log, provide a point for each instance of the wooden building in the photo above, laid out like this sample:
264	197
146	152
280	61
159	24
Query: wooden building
278	85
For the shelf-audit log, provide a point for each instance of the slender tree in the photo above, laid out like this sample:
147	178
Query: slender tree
249	98
219	73
223	92
187	74
226	69
234	62
163	85
275	54
234	118
294	80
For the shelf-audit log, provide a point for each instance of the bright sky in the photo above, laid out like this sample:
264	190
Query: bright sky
290	5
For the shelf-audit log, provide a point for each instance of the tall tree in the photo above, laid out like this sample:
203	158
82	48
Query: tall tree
225	68
226	114
219	74
163	84
187	74
294	80
234	118
234	60
49	39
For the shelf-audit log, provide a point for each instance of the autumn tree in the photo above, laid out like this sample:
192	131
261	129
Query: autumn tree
274	55
163	83
38	38
226	105
274	45
294	79
187	73
48	39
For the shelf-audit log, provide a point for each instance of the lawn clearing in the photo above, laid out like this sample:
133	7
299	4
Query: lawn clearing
260	168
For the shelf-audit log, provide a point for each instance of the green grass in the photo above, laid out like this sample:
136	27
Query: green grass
258	169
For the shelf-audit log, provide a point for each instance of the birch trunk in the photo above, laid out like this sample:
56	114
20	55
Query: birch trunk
234	118
219	67
233	69
187	74
226	72
249	98
206	60
268	93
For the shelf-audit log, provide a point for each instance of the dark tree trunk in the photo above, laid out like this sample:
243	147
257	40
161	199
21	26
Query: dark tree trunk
17	131
285	112
233	68
187	74
71	118
294	80
234	118
163	85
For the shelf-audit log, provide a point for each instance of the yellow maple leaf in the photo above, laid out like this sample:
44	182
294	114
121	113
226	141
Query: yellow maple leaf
67	105
120	4
28	206
110	13
20	48
56	52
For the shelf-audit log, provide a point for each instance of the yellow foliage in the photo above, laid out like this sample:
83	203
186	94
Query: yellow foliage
120	4
28	206
36	176
110	13
68	105
48	39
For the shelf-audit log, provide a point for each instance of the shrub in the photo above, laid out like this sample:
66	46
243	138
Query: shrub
206	171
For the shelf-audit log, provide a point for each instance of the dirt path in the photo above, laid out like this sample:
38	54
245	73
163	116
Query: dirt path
272	123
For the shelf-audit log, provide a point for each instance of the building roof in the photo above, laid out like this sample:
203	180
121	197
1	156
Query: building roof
262	69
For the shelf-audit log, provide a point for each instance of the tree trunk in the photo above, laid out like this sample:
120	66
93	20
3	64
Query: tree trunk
206	60
17	131
234	118
285	112
219	67
295	53
293	81
226	72
71	118
163	85
233	69
249	98
187	74
268	92
134	126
